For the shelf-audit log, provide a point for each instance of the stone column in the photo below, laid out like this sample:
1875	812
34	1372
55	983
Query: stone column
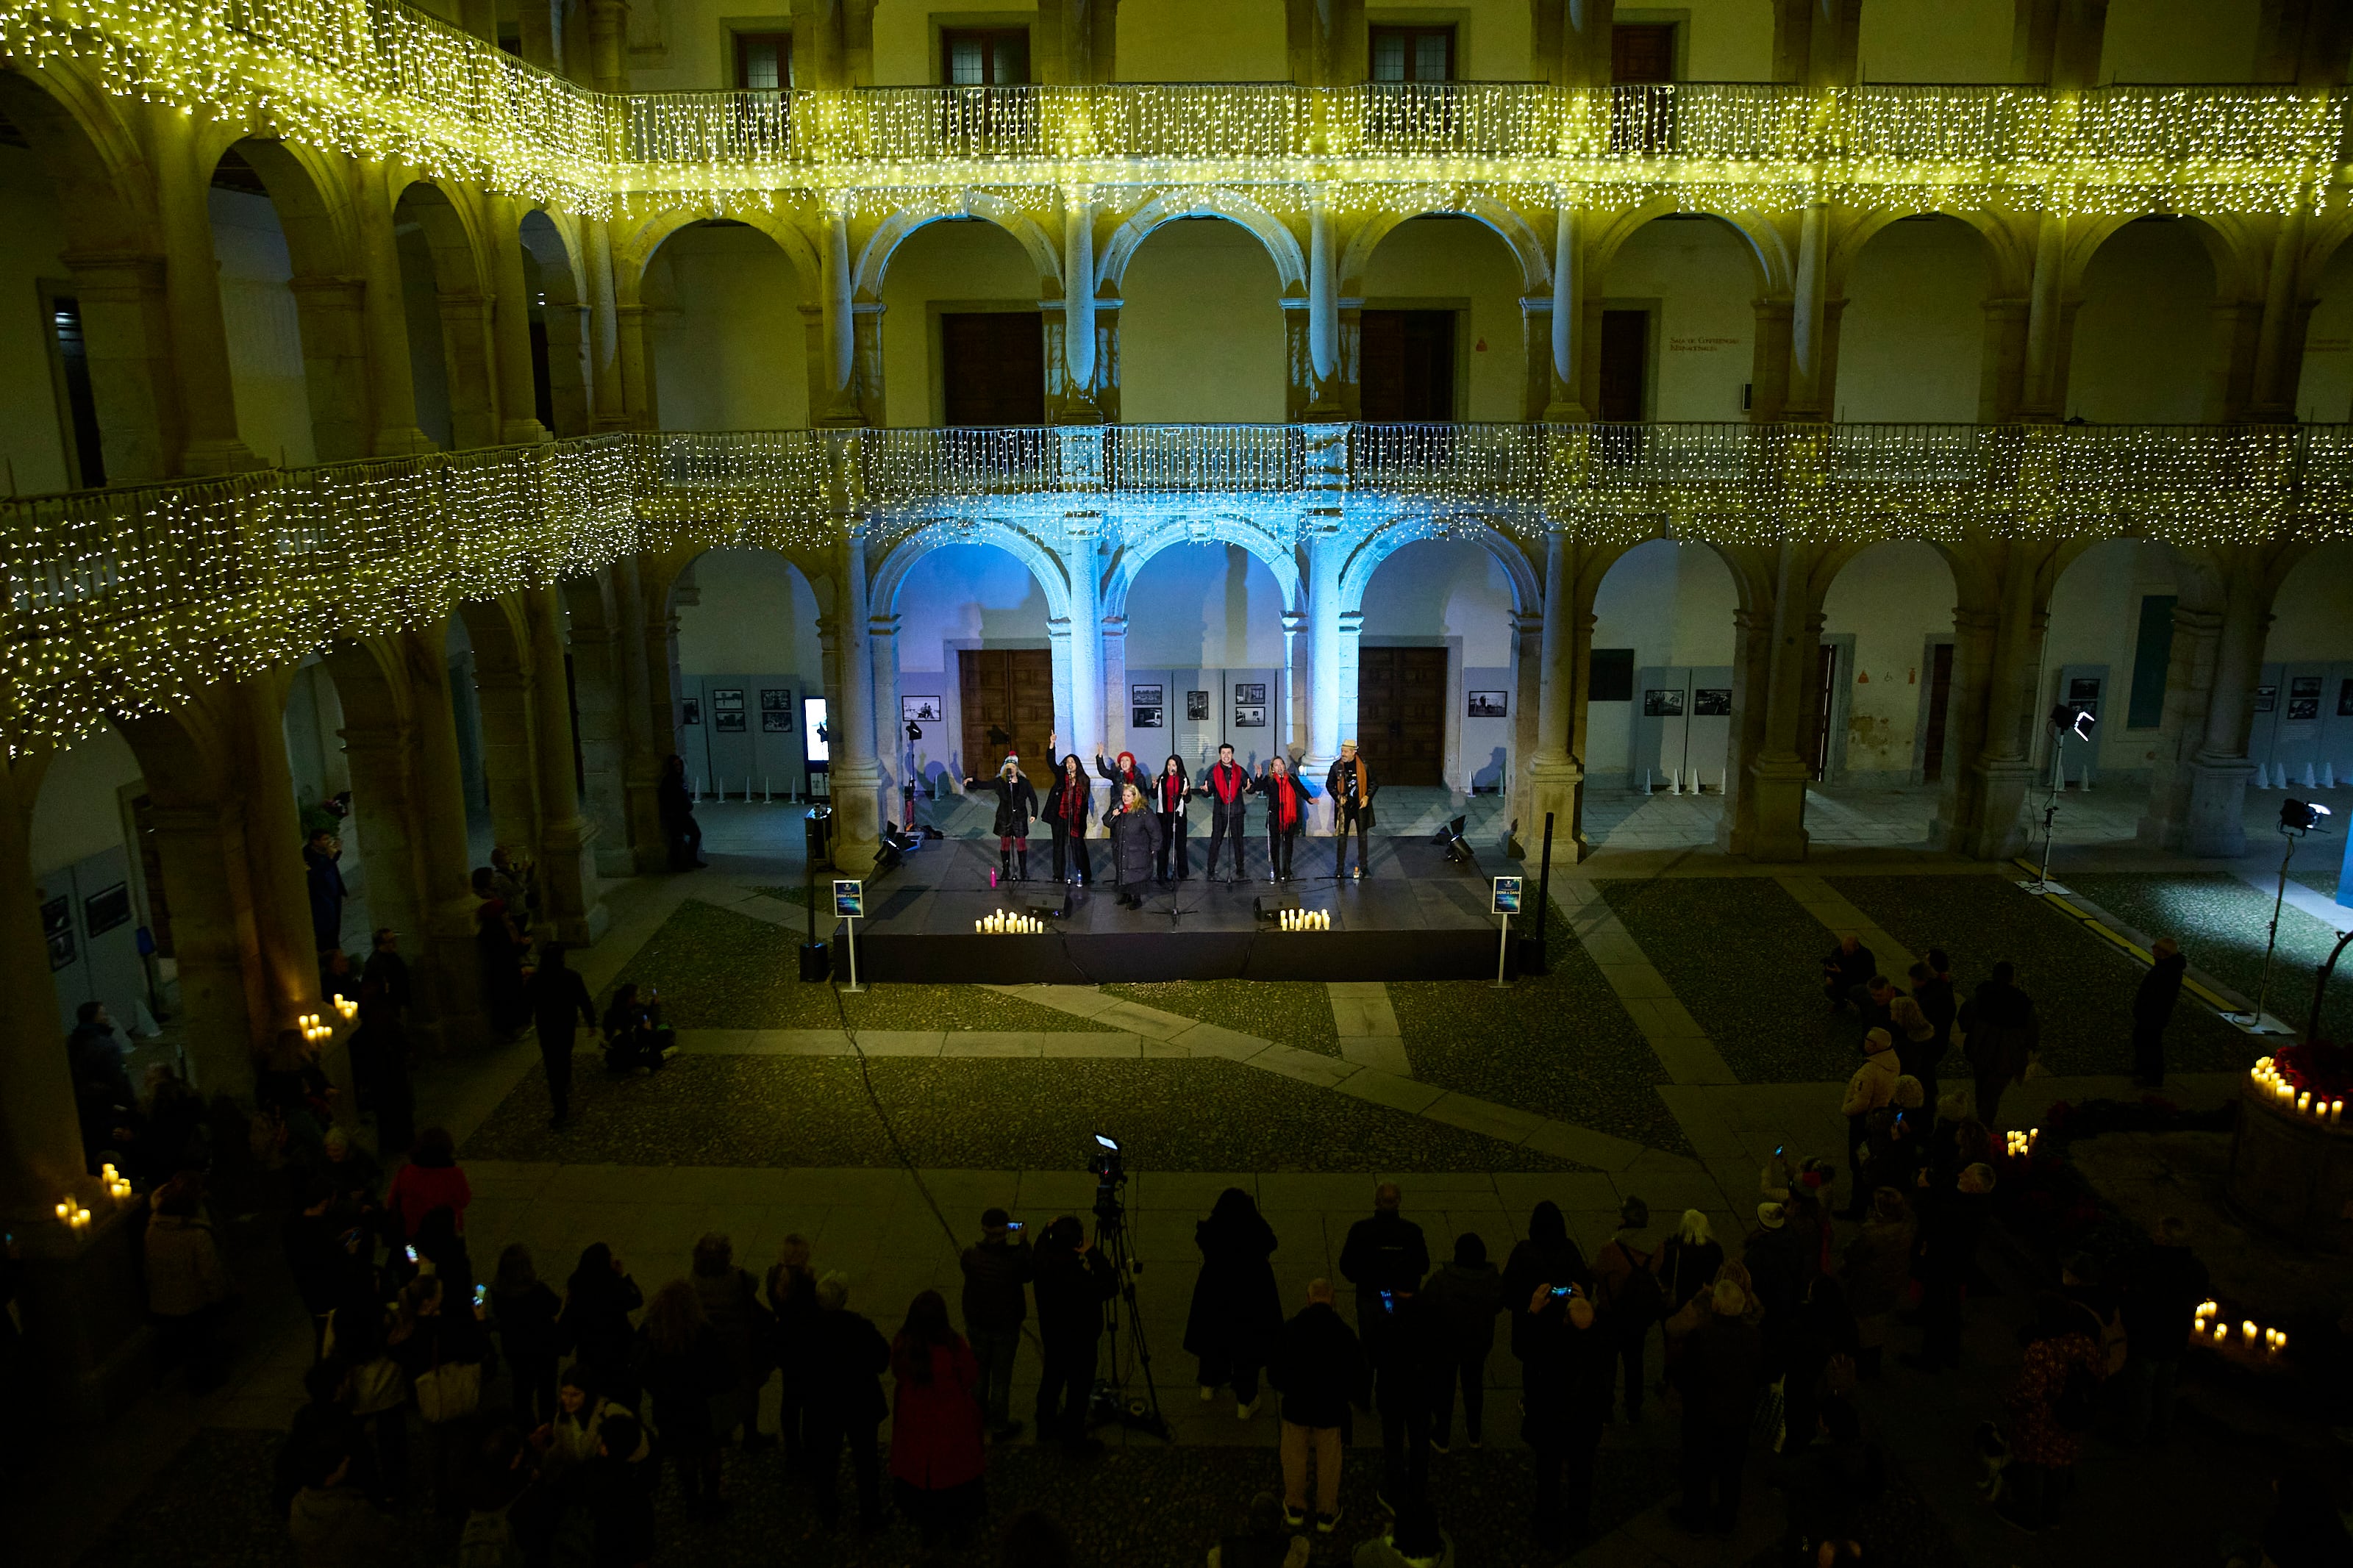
866	363
611	409
511	318
568	866
209	442
2279	350
1996	707
2220	771
2188	693
40	1137
1323	313
1776	648
2237	326
1554	767
568	365
1567	406
392	389
890	730
2002	360
1115	689
332	317
638	399
649	729
510	775
1810	395
1078	531
1528	704
2050	322
1079	286
837	283
857	775
535	19
608	23
1960	797
439	836
1298	677
126	333
604	748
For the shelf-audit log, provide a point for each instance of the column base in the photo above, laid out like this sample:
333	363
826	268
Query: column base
2218	795
1768	818
568	864
2002	831
83	1299
1556	786
857	817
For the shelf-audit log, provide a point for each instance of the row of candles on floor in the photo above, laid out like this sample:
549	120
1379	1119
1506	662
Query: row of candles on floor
2021	1144
2207	1325
73	1217
2287	1097
1307	920
1002	924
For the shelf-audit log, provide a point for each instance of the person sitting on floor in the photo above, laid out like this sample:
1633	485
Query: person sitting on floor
634	1036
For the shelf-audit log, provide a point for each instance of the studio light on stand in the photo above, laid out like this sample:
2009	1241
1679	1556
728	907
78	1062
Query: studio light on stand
1450	838
2296	818
894	848
2065	719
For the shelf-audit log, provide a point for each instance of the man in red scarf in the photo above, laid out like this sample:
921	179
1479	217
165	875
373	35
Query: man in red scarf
1287	795
1228	786
1351	784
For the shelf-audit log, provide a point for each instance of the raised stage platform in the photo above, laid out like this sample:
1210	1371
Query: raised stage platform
1416	917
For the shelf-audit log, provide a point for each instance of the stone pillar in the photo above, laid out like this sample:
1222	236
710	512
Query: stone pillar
649	715
1528	704
440	834
1555	767
638	402
1810	395
2279	350
1086	713
568	365
1997	709
1115	689
1323	313
503	692
890	730
1567	406
510	317
837	282
602	729
466	349
866	362
1079	285
392	389
611	411
1776	649
2002	360
332	317
209	442
2237	326
608	21
40	1137
570	898
2188	693
2050	322
535	20
1326	555
1298	677
126	333
2220	771
856	778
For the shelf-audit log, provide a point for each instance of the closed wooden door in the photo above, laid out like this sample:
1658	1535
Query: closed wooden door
1008	706
1407	360
1401	713
992	368
1625	365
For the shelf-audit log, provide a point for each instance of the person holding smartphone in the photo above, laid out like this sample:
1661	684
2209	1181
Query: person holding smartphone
1566	1368
996	1268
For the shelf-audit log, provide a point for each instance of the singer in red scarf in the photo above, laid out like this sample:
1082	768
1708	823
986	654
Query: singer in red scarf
1168	793
1067	806
1287	795
1228	786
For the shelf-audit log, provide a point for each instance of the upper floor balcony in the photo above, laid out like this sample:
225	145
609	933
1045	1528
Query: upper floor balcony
385	79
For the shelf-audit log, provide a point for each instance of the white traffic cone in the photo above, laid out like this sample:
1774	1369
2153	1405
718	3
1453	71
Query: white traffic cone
2309	781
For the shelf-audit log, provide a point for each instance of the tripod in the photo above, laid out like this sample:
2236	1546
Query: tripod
1110	1403
2292	835
2064	721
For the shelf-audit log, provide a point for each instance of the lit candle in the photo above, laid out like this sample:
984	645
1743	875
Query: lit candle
2336	1111
2283	1341
2304	1103
975	928
2247	1331
64	1211
2221	1332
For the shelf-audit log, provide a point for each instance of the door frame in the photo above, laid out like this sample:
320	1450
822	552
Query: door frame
1653	305
1459	307
1841	704
935	345
1929	644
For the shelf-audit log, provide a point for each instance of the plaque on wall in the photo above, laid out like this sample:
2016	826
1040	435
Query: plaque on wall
2266	698
1196	707
1488	705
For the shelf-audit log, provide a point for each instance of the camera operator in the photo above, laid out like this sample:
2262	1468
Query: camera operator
1074	1280
996	1268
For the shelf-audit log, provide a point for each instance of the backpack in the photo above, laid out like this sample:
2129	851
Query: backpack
1632	1299
2077	1406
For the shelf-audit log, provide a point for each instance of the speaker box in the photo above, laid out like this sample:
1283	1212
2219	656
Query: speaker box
1269	906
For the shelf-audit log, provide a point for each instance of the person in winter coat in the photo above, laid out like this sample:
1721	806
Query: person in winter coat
1236	1312
675	803
2153	1005
569	1440
1168	793
188	1280
1074	1280
1627	1301
1466	1294
1122	774
1952	1222
1688	1260
1824	1333
558	995
525	1312
1847	971
1135	845
1563	1406
1547	1256
938	1456
323	879
594	1322
1017	803
1320	1370
2000	1032
1228	786
684	1370
1385	1252
2050	1407
1774	1257
792	1298
730	1305
1933	995
322	1249
431	1180
1872	1086
619	1486
1878	1275
1069	805
996	1267
1350	785
847	1358
333	1521
1408	1354
1287	795
1719	1374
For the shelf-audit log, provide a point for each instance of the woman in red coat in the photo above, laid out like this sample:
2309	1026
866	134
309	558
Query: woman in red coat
937	1451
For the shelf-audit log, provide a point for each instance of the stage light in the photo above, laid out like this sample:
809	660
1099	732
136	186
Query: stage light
1450	838
2301	816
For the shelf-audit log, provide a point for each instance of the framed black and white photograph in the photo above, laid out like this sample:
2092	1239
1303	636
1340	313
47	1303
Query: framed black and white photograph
776	699
728	721
1144	697
2303	709
1250	715
2266	698
106	909
775	723
726	697
1144	718
1196	707
1712	702
1255	692
1488	705
1662	703
690	709
919	710
56	927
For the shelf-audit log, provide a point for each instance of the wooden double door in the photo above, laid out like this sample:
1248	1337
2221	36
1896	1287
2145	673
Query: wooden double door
1401	713
1008	706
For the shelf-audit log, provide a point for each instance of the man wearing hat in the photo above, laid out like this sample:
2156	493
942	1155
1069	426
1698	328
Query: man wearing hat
996	1268
1351	786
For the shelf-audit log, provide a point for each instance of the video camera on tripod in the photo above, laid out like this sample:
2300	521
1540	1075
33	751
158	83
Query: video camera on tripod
1110	1403
1110	1175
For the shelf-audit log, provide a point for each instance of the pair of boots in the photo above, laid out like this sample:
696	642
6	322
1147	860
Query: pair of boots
1006	859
